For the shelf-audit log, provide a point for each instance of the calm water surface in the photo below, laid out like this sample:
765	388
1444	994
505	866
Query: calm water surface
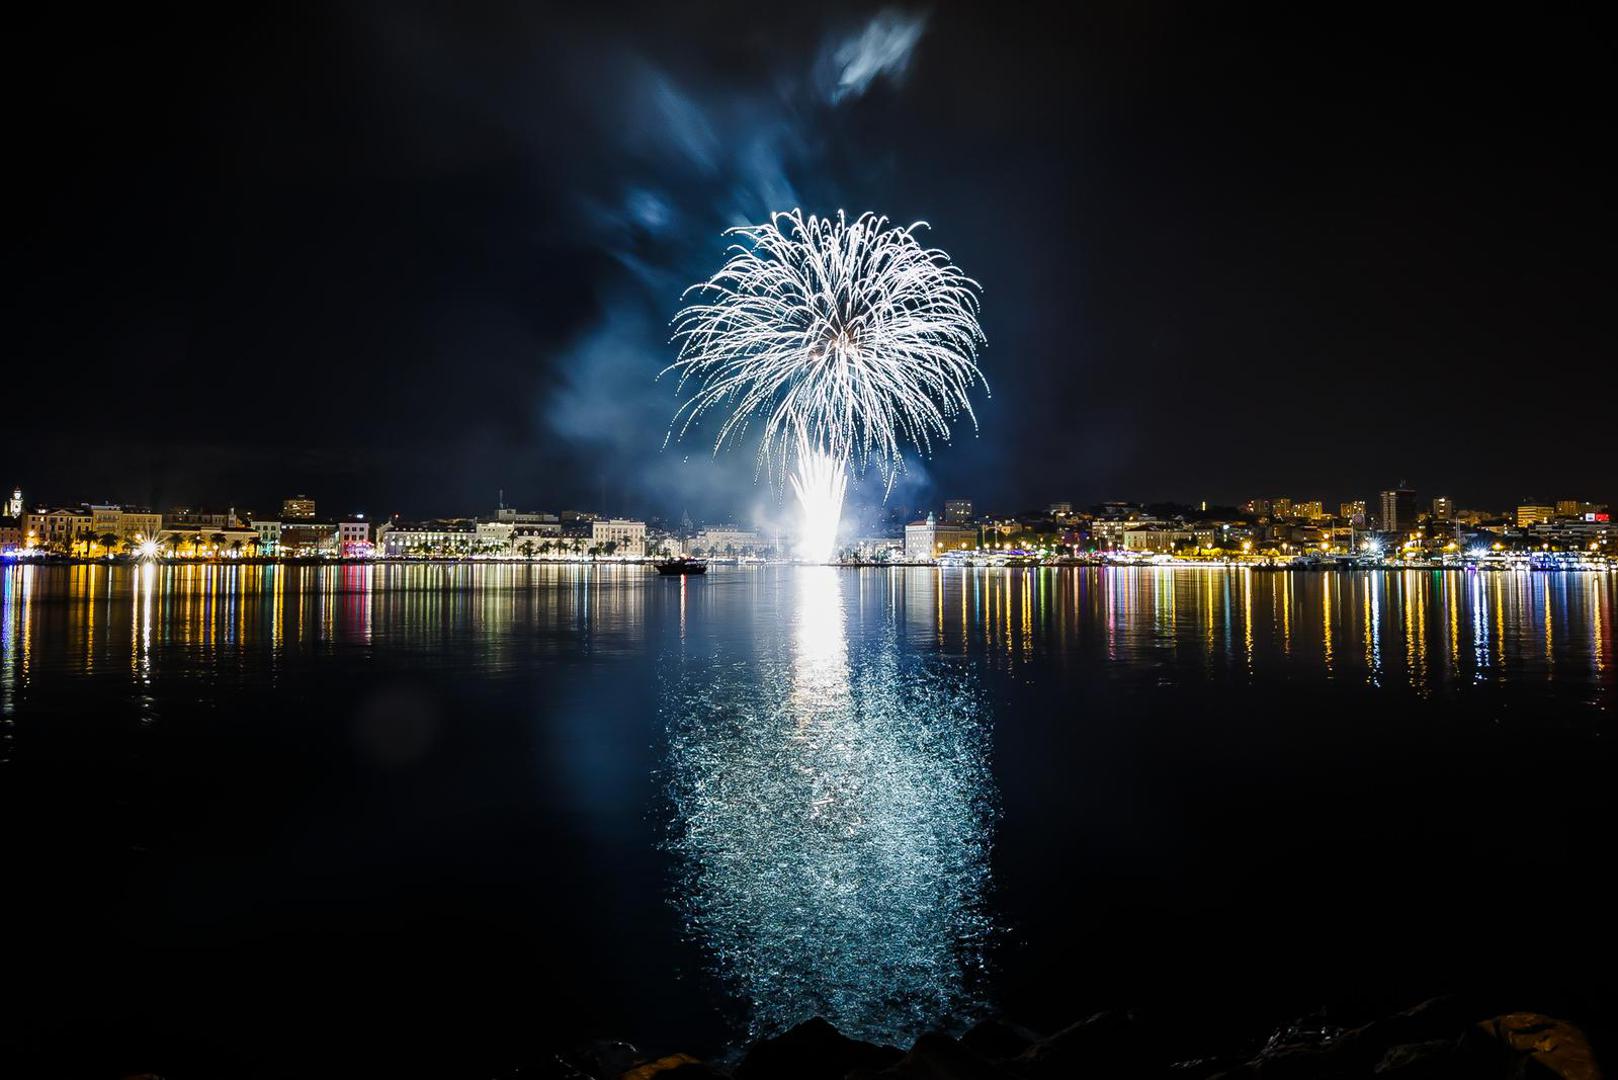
469	811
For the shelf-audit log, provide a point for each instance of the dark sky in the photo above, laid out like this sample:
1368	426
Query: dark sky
402	256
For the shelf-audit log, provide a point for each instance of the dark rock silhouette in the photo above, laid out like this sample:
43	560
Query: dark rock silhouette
814	1050
1441	1039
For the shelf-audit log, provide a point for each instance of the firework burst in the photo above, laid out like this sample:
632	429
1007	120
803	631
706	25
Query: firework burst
844	342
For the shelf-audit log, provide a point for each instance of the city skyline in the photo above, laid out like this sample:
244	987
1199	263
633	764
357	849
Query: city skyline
1549	495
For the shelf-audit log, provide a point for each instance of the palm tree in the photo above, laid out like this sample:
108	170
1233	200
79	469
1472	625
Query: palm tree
218	541
236	548
611	546
528	550
107	541
545	547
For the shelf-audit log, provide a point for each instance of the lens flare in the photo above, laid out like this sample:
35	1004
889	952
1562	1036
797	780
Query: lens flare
847	343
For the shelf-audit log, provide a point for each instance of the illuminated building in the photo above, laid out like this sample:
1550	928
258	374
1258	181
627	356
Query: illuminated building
1281	509
11	534
528	517
958	511
926	540
354	537
1153	538
537	534
879	547
308	538
494	538
429	538
659	544
1534	514
1443	508
183	517
1578	508
208	541
269	536
13	507
727	540
125	524
1353	511
1256	507
628	536
60	528
1398	510
1577	534
1060	509
1313	510
1109	532
301	508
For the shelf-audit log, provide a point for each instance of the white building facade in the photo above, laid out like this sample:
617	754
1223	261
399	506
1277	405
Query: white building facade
628	537
927	540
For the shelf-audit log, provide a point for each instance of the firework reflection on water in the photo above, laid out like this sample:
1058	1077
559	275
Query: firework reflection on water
831	815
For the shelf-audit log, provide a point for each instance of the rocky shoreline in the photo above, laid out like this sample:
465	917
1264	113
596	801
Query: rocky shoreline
1440	1039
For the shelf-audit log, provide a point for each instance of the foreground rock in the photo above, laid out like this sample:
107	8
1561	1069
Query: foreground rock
814	1050
1441	1039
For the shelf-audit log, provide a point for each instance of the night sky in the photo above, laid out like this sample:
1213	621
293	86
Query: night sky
403	256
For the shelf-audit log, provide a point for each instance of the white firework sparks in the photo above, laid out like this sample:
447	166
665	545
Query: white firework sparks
847	343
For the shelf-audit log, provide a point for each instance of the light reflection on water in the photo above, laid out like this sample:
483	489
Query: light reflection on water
831	808
825	777
1432	631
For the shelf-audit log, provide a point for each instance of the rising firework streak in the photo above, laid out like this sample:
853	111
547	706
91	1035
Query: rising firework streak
845	342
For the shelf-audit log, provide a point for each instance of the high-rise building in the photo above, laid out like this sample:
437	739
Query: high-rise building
1313	510
1256	507
1531	513
1060	509
957	511
1443	508
301	508
1353	511
1398	510
1575	508
1281	509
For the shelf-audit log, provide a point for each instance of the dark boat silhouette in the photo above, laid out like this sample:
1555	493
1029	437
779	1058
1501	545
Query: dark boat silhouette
682	566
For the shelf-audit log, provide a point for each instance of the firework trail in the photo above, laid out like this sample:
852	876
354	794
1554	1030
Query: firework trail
844	342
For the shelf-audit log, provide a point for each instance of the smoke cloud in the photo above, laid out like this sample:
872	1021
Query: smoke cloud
881	48
702	158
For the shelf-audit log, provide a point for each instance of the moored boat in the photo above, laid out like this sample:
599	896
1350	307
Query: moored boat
682	566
